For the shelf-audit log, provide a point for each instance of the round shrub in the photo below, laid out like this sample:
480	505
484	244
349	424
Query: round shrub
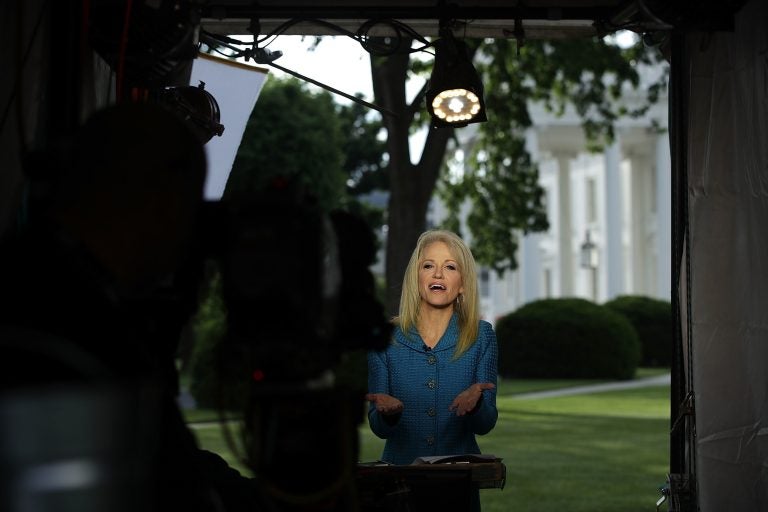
652	319
567	338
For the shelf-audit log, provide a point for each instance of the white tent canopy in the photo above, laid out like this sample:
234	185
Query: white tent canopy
726	333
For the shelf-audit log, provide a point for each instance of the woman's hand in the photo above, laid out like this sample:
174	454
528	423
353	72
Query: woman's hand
467	399
385	404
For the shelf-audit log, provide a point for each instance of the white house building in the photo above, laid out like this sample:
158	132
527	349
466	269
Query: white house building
609	215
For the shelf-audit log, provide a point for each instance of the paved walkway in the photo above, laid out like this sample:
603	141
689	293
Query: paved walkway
659	380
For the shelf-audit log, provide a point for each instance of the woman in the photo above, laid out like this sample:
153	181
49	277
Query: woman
433	389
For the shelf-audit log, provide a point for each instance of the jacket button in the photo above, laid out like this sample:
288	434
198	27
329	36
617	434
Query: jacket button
431	411
431	384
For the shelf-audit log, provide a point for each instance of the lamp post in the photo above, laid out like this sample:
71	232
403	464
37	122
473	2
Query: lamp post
589	260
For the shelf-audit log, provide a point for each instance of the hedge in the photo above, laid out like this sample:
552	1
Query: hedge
652	319
567	338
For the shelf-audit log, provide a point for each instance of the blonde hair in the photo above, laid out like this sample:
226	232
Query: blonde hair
467	305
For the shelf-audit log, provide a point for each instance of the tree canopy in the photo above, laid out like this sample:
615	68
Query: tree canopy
294	134
333	150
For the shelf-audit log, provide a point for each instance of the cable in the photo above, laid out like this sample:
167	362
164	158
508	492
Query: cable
373	45
361	36
334	90
262	56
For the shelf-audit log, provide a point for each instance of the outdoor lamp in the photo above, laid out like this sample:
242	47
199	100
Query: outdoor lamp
455	94
588	253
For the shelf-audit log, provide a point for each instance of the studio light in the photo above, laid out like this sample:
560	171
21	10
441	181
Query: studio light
197	107
455	95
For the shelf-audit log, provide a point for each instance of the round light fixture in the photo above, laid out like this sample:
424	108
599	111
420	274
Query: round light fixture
456	105
455	94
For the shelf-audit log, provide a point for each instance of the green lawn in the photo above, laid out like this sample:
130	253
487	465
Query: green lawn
604	452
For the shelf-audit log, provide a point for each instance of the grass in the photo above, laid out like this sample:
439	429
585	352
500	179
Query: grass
603	452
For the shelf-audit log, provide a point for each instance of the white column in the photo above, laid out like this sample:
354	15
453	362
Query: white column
613	257
663	218
639	210
530	255
565	251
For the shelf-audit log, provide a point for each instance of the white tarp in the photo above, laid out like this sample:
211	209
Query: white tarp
728	295
236	88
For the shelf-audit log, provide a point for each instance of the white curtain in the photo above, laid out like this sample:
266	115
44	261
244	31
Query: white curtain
728	229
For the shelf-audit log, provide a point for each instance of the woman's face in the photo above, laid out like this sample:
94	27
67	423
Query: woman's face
439	276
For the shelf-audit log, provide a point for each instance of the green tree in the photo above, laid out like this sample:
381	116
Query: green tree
364	149
501	181
334	150
364	166
295	134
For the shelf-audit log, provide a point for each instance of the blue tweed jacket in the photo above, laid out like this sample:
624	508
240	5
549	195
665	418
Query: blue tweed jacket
426	381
